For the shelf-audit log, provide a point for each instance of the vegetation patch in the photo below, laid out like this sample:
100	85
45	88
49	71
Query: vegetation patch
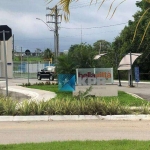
84	145
66	104
123	98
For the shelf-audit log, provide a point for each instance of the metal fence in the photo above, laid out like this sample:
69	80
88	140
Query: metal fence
21	69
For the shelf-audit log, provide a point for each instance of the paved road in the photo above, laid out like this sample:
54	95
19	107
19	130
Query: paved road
23	132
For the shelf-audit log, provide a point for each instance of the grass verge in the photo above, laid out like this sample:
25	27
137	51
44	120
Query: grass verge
66	104
82	145
124	98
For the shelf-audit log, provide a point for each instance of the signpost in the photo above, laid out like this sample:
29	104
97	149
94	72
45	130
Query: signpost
5	36
137	78
27	52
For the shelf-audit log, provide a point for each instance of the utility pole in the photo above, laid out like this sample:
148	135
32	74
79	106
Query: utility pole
53	17
21	62
100	48
13	51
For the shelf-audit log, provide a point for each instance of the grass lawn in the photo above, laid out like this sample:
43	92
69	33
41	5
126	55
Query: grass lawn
124	99
30	58
82	145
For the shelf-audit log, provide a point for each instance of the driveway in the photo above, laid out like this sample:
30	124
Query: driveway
141	89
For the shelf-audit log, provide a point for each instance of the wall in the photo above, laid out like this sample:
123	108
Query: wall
9	59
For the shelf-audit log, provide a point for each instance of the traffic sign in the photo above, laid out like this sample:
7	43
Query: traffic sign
137	76
6	29
27	52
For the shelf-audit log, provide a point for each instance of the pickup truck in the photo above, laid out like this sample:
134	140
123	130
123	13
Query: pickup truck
47	73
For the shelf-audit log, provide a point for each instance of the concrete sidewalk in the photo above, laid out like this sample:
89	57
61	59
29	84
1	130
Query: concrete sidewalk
33	94
24	92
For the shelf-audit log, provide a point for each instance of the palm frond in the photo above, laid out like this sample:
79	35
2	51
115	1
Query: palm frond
110	8
101	4
144	34
138	24
116	8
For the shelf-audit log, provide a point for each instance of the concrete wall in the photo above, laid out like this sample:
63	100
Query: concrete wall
98	90
9	59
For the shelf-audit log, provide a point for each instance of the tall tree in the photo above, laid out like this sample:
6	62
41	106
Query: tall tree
126	42
102	46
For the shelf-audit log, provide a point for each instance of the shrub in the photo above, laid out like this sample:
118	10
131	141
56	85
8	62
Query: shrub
7	106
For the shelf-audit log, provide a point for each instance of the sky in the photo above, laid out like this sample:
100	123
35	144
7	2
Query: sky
87	23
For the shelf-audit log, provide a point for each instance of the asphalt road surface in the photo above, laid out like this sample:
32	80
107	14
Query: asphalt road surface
24	132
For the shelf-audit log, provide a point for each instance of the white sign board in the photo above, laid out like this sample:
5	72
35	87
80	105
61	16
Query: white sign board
94	76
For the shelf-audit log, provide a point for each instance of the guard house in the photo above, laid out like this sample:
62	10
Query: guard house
9	59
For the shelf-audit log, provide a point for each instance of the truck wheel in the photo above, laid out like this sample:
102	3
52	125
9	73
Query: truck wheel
39	77
51	78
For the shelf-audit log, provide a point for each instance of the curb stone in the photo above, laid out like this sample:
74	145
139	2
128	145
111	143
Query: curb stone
75	118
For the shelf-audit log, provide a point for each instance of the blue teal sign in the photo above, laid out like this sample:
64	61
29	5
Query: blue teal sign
137	74
66	82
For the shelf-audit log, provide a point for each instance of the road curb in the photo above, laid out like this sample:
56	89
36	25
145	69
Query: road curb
74	117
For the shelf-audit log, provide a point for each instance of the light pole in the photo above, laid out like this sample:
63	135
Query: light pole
51	29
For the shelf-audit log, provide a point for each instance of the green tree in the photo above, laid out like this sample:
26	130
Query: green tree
127	44
102	46
65	65
47	55
81	56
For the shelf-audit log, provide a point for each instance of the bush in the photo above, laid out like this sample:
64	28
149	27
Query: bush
64	106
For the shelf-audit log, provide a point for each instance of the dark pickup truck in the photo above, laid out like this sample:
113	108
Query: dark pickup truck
46	73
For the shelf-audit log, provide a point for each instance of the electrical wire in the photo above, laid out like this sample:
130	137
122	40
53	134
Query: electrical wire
96	27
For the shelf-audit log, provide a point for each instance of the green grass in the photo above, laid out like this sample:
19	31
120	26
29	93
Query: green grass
30	58
82	145
52	88
127	100
124	98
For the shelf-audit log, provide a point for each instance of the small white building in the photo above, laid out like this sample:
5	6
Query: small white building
9	48
65	51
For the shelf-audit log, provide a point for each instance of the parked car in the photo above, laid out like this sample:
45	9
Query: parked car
47	73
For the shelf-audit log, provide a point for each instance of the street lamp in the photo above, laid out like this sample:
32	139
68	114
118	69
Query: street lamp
51	29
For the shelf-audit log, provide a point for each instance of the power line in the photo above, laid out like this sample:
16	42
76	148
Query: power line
96	27
67	36
75	28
